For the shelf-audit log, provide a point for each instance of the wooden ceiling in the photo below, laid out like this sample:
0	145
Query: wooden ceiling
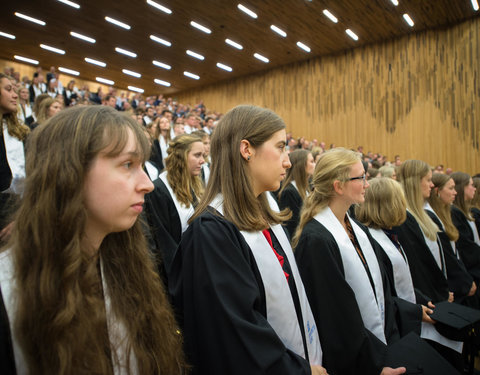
372	20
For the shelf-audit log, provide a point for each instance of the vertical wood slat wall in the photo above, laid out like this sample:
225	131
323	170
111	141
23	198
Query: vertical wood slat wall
417	96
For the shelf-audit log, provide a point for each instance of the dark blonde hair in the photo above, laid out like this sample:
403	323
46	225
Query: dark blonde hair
476	199
297	172
462	179
43	109
410	175
334	164
441	209
178	175
60	321
385	205
229	174
14	127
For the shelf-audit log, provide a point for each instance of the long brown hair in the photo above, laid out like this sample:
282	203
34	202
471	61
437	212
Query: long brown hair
297	172
476	199
44	110
14	127
178	175
60	322
441	209
229	174
462	179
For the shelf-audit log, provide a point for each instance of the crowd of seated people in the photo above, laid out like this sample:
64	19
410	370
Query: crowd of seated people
350	257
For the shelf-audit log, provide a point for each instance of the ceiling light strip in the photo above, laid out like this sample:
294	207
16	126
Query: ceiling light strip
118	23
351	34
161	82
233	44
194	54
70	3
201	27
394	2
278	30
68	71
408	20
244	9
6	35
159	6
475	5
104	80
330	16
31	19
161	65
160	40
83	37
26	59
136	89
191	75
125	52
52	49
131	73
95	62
261	58
224	67
303	46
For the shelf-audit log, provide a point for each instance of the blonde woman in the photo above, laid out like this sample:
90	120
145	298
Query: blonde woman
47	108
342	276
296	187
234	279
178	190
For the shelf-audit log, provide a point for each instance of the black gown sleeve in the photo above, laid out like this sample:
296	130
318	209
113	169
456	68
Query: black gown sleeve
164	222
348	347
219	299
467	248
7	360
156	156
291	199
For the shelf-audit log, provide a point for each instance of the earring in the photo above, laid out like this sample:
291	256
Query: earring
248	158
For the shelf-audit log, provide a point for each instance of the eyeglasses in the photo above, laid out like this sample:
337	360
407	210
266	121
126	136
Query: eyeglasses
363	177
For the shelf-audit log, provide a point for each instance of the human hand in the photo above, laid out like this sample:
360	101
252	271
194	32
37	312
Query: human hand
6	232
318	370
450	297
426	314
393	371
473	289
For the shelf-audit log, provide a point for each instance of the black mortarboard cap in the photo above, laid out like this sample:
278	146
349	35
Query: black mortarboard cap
418	357
454	321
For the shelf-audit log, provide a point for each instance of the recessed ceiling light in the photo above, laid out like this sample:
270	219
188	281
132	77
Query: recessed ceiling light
158	6
194	54
278	30
31	19
118	23
247	11
160	82
351	34
200	27
160	40
70	3
95	62
408	20
6	35
475	5
26	59
131	73
303	46
224	67
104	80
53	49
68	71
136	89
394	2
261	58
83	37
125	52
161	65
233	44
330	16
191	75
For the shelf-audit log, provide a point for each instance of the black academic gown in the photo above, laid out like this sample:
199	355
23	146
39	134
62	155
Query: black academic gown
476	215
156	157
428	279
458	278
165	225
348	347
219	298
7	359
467	248
291	199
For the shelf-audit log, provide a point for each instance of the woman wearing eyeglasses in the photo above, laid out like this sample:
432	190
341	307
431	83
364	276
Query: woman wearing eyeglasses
340	271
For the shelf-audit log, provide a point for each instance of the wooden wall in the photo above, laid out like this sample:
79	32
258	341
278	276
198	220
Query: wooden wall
417	96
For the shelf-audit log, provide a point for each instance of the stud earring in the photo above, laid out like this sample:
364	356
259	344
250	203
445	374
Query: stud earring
248	158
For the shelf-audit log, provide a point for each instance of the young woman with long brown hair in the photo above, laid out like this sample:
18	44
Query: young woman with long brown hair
80	288
296	187
234	279
177	191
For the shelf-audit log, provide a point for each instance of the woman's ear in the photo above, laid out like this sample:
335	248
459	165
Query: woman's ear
338	187
245	149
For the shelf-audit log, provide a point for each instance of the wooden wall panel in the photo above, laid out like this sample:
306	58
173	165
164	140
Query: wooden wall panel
417	96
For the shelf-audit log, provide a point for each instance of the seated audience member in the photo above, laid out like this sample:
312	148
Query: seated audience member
70	93
295	188
342	277
24	109
177	191
234	279
111	314
386	171
36	107
37	87
205	173
47	108
475	203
